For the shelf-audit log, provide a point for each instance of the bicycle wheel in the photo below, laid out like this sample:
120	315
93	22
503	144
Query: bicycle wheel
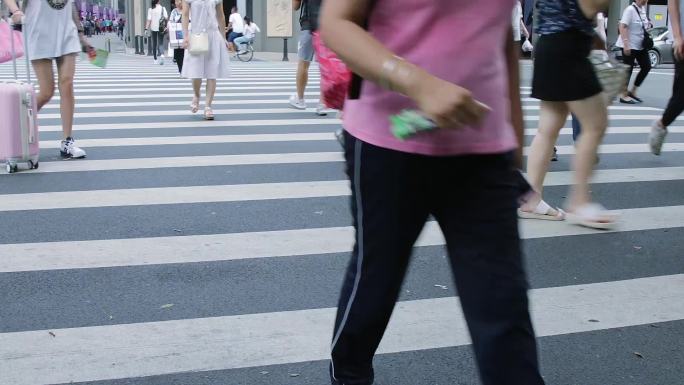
247	56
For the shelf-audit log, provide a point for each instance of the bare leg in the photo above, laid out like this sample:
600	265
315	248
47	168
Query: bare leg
552	117
196	85
593	115
46	81
66	67
302	77
211	90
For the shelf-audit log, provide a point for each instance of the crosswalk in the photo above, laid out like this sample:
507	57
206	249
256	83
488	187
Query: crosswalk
191	252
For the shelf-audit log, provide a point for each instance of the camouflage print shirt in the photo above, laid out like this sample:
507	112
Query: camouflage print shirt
561	15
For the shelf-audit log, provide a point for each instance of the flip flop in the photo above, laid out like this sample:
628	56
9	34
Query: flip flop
541	212
194	106
594	216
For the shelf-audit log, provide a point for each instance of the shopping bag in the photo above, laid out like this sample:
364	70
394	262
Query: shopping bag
98	57
335	75
7	33
527	46
175	35
611	74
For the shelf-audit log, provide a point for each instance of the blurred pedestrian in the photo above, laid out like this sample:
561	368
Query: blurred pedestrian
236	24
42	20
121	26
251	29
177	18
676	104
308	22
155	14
207	17
633	26
565	81
463	174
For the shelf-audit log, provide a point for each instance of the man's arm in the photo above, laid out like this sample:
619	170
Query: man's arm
516	114
591	7
675	19
523	28
296	4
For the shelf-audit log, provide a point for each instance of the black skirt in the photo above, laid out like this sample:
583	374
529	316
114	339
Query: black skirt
562	70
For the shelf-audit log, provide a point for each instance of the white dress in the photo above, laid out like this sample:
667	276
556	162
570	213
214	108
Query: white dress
50	29
215	63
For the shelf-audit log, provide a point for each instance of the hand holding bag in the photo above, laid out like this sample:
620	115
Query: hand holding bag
7	36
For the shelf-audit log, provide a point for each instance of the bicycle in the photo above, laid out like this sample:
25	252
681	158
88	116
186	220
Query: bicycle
248	54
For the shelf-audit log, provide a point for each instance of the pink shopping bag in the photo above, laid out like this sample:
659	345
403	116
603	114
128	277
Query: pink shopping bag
7	33
335	76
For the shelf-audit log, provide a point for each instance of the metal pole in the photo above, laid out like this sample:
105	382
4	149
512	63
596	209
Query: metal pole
285	58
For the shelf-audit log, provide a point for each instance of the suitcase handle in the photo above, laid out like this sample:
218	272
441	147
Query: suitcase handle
14	52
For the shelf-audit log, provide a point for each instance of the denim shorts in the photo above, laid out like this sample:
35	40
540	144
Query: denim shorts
305	46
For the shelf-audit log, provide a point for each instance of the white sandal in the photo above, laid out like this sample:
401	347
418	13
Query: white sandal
194	106
208	113
594	216
542	212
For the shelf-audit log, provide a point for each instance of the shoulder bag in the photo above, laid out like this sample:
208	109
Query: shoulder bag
648	41
199	42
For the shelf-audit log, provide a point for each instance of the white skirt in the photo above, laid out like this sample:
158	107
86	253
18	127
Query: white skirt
215	64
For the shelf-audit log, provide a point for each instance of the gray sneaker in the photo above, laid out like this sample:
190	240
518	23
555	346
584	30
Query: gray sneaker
321	110
657	138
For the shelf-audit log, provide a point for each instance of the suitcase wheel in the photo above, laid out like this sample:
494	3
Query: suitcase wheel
11	168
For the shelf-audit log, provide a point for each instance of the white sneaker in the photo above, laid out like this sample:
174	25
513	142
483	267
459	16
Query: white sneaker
156	61
297	103
657	138
68	150
321	110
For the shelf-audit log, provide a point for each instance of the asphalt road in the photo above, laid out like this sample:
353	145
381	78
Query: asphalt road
185	252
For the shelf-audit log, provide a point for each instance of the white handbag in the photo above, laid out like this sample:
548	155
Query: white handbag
199	43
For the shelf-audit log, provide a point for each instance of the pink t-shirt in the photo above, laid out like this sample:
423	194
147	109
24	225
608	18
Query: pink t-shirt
461	41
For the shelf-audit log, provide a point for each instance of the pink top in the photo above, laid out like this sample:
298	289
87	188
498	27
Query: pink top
462	41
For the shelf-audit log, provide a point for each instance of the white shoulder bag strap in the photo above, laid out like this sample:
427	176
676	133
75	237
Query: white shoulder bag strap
199	42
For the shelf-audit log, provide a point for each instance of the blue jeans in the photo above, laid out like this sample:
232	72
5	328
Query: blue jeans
242	40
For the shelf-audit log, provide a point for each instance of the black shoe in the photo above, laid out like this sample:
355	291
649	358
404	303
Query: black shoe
626	101
631	95
554	158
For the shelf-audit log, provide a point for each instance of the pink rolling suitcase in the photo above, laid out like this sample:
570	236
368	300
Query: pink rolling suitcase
18	121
